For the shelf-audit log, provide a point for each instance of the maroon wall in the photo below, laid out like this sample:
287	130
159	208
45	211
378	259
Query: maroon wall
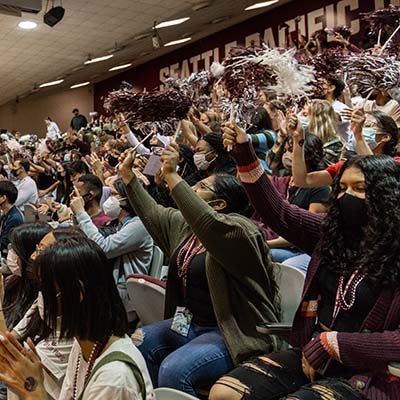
333	12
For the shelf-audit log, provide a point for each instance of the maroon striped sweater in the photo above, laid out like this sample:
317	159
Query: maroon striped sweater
378	342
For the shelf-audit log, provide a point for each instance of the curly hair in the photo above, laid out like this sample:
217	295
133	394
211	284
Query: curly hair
322	120
378	253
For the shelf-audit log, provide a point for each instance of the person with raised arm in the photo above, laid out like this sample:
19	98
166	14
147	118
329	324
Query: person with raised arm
345	333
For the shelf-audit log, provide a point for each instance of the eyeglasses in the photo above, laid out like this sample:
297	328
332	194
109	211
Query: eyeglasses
204	186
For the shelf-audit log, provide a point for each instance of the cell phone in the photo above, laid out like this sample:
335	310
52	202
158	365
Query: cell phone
269	328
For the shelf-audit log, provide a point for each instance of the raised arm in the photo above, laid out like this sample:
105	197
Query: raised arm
165	225
132	139
357	123
225	236
189	132
128	239
296	225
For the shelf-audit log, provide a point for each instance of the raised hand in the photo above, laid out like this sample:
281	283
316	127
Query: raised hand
126	161
295	128
77	204
357	121
233	134
170	159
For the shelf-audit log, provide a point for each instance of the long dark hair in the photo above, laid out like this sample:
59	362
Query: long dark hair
36	327
21	291
261	121
313	152
65	188
379	250
76	278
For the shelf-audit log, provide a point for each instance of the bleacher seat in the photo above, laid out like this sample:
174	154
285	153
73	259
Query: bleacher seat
148	296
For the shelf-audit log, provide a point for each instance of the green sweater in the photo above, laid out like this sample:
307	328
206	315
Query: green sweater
238	267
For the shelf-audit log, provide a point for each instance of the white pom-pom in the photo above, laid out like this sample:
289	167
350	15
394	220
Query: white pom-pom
217	69
13	145
292	79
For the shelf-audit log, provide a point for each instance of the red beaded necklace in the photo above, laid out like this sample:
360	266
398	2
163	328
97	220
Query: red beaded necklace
351	287
96	350
185	257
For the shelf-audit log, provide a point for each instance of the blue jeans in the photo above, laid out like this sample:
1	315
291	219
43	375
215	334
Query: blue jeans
183	363
280	255
300	262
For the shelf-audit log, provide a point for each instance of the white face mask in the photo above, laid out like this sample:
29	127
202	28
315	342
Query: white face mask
201	163
112	208
13	262
40	304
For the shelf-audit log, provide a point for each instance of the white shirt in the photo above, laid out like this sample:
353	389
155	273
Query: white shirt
114	380
338	106
27	192
53	131
391	108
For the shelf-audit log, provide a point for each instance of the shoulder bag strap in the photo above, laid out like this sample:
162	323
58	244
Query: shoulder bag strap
119	356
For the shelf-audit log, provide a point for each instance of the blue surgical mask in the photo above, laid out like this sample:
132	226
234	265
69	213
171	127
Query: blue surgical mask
369	134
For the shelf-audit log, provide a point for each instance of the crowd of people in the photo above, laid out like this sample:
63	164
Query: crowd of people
314	186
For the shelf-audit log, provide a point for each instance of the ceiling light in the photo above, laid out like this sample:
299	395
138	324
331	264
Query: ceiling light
98	59
261	5
51	83
78	85
172	22
120	67
174	42
27	25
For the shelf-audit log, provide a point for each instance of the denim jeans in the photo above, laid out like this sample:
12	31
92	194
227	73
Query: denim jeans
300	262
280	255
183	363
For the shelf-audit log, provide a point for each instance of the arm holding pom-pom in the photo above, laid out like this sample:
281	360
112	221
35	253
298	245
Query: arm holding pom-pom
189	132
357	123
300	175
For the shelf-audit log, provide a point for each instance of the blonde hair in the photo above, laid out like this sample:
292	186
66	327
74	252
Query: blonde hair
322	120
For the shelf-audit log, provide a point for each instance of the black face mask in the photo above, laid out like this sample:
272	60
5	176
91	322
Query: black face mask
14	173
353	217
113	161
